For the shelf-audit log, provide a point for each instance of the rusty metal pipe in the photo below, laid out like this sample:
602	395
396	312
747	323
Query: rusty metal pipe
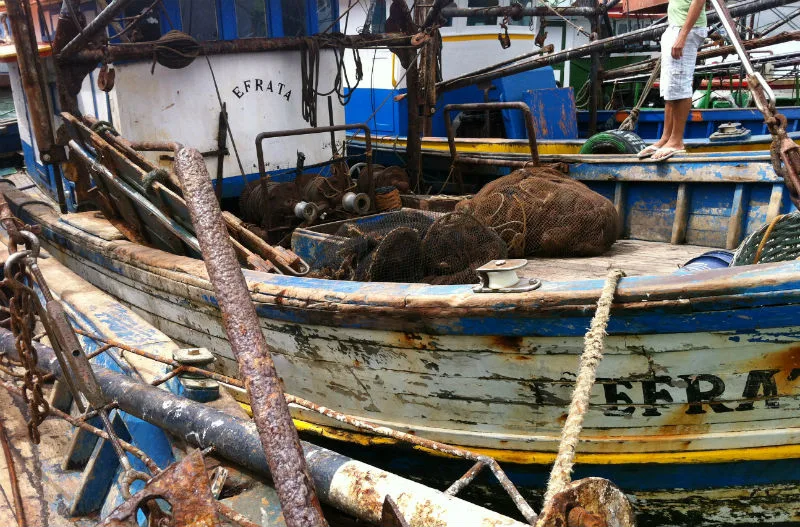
517	11
270	411
648	65
145	50
19	506
34	86
97	24
434	13
436	446
31	74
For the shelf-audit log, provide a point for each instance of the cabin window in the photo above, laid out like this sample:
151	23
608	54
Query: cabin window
326	16
199	19
377	22
251	18
294	18
482	20
148	28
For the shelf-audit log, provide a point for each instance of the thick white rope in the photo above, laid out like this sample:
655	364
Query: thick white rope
561	473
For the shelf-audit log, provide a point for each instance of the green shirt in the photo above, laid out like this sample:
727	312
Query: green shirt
677	11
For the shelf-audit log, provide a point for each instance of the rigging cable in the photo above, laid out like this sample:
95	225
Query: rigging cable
227	122
309	69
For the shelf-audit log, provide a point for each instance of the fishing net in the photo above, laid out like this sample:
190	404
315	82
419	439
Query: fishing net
408	246
541	212
776	241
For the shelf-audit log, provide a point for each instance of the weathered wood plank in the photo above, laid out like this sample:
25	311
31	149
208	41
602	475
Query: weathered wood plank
681	215
734	236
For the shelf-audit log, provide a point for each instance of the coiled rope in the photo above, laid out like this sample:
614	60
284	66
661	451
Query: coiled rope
593	343
175	50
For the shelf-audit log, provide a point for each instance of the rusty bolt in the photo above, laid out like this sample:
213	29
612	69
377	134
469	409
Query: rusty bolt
580	517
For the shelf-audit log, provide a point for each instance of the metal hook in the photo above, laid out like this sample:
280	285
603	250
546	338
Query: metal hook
13	261
31	244
504	38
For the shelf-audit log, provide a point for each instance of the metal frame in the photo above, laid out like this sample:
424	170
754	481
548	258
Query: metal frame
456	158
262	170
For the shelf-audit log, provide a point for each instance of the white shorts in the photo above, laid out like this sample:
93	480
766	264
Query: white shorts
677	75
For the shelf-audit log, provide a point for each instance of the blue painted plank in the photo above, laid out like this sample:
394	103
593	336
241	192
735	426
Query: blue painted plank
100	473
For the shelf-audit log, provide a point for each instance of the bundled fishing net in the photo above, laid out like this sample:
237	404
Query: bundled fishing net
541	212
776	241
409	246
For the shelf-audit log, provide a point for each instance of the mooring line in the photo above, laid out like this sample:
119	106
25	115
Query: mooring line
593	343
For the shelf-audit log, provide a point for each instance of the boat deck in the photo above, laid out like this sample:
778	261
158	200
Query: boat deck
32	464
635	257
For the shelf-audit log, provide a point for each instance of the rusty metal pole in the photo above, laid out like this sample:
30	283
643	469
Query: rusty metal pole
278	435
414	139
32	75
35	88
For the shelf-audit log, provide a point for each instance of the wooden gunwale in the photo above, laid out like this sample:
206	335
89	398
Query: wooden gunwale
767	284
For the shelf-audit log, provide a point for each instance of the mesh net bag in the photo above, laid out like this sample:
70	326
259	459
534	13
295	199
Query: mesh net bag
777	241
409	246
541	212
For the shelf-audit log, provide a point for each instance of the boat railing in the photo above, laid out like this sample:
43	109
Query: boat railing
456	158
332	129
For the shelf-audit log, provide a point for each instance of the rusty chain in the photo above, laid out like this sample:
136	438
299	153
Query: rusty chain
22	313
20	274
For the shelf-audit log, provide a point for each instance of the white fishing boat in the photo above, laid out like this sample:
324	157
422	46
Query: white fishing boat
697	394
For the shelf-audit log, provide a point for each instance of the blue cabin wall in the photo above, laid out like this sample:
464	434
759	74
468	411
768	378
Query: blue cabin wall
227	24
392	118
700	124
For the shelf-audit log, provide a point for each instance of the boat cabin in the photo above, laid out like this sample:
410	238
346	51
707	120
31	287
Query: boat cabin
259	91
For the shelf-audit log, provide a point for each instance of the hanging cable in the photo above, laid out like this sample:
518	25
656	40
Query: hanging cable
309	69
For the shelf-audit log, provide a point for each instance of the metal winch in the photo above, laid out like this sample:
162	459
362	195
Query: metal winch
730	132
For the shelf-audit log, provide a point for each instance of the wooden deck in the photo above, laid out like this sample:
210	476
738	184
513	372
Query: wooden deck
635	257
37	467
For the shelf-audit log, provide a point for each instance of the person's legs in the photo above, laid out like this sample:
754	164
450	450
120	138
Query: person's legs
667	132
679	114
665	81
678	94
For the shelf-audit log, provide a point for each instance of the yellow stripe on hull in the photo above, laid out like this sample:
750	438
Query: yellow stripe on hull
504	146
547	458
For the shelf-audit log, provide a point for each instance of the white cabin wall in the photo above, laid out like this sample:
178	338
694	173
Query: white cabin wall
465	48
92	100
468	48
181	105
